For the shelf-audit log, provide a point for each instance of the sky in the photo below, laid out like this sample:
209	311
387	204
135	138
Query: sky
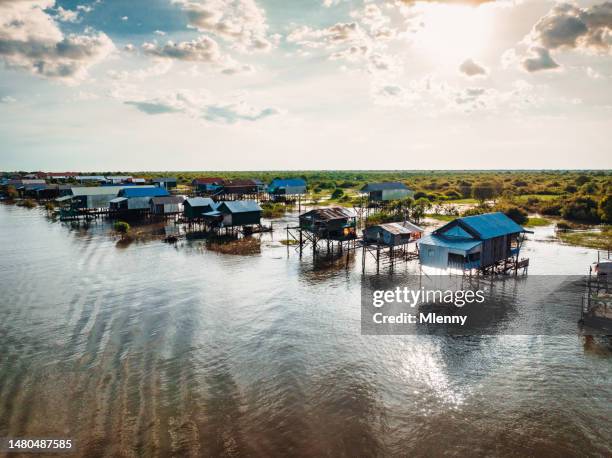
93	85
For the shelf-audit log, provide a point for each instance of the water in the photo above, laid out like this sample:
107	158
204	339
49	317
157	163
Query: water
153	349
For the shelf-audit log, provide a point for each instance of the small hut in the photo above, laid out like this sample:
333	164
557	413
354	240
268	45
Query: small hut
335	223
195	207
473	242
279	188
96	197
384	191
165	182
239	213
136	197
207	185
166	205
239	188
393	234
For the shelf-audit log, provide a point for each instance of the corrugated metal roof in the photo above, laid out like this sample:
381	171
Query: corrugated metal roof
240	183
386	185
210	180
435	240
401	227
163	179
200	202
167	200
329	213
118	200
138	191
95	190
241	206
489	225
282	182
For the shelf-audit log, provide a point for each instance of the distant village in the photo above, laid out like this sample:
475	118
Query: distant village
487	243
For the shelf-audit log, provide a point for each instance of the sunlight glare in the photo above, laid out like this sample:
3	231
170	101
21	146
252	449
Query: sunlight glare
454	32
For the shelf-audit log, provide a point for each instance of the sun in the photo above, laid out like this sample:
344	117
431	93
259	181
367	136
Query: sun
454	32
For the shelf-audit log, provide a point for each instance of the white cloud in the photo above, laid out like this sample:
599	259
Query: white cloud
64	15
240	22
200	105
31	40
539	59
202	49
470	68
159	68
7	99
567	26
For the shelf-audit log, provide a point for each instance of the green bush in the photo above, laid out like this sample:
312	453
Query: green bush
337	194
581	209
121	227
517	214
605	209
27	203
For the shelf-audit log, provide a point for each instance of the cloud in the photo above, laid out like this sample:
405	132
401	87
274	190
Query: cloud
199	105
159	68
566	27
471	68
7	99
67	15
202	49
31	40
240	22
539	59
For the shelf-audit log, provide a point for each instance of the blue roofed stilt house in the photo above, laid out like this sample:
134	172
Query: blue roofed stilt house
385	191
136	199
283	189
488	243
243	214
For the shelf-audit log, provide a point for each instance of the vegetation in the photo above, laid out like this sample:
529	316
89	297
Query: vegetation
273	210
583	197
535	221
11	192
122	228
27	203
244	246
601	240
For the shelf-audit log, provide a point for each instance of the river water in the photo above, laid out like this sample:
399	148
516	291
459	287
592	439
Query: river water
156	350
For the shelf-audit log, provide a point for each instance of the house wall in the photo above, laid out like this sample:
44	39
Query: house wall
240	219
393	194
99	201
433	256
494	250
138	203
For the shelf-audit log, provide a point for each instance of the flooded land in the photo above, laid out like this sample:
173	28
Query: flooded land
156	349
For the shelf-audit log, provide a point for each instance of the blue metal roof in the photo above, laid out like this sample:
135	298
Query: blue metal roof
490	225
241	206
287	182
458	244
143	192
200	202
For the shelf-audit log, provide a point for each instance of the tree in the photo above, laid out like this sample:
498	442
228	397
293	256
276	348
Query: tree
483	192
518	215
11	192
605	209
337	194
121	227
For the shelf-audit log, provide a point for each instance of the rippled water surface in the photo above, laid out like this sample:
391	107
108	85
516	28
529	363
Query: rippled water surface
153	349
